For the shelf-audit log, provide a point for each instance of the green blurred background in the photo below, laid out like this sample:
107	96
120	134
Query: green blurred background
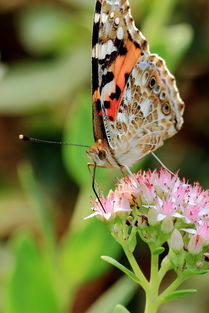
49	256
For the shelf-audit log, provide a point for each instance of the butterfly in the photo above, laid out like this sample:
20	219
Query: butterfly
136	103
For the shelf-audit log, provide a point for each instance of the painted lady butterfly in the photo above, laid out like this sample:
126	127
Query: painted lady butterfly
136	104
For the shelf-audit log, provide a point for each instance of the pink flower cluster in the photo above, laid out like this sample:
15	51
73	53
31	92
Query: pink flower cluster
167	194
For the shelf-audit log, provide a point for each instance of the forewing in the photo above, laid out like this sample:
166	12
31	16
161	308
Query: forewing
117	47
150	111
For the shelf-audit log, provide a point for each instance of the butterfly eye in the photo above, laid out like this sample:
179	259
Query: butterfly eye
157	89
152	82
102	155
162	95
166	108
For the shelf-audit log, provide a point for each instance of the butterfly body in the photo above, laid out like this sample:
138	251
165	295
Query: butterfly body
136	104
102	155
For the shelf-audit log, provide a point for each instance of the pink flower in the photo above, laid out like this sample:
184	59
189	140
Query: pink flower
164	195
191	213
176	241
203	231
195	244
116	202
166	208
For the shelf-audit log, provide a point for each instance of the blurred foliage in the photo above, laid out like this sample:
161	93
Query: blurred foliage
49	256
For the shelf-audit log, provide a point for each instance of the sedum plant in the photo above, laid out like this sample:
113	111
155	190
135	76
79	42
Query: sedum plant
162	210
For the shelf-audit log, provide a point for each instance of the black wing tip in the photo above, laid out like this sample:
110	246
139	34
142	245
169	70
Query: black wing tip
98	6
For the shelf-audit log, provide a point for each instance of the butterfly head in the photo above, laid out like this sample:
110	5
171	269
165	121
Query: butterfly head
100	154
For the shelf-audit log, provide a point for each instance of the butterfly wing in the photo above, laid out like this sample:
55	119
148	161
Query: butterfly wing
117	46
136	104
150	111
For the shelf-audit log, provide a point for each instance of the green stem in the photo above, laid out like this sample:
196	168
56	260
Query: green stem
154	270
136	268
173	286
152	292
165	267
151	288
150	306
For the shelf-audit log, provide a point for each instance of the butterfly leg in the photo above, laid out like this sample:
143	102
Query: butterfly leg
93	175
89	165
123	171
161	163
131	175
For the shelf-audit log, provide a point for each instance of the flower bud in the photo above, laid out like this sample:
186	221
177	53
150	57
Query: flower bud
195	244
167	225
176	242
115	230
152	216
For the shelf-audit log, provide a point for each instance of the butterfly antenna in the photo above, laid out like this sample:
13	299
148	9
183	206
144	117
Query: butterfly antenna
161	163
31	139
94	189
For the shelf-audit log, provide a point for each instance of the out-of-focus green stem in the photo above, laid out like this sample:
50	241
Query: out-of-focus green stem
143	281
152	292
173	286
165	267
151	288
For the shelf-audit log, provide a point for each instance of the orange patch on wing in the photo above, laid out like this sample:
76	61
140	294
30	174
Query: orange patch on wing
124	64
121	68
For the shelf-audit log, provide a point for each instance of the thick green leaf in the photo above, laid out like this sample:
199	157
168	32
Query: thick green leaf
80	252
121	267
179	294
121	292
38	204
31	288
120	309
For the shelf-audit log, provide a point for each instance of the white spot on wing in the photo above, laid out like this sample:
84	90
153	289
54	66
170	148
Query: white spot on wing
95	51
96	17
107	89
117	21
145	106
142	65
107	48
108	28
104	18
103	51
128	95
120	33
113	2
110	47
112	14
